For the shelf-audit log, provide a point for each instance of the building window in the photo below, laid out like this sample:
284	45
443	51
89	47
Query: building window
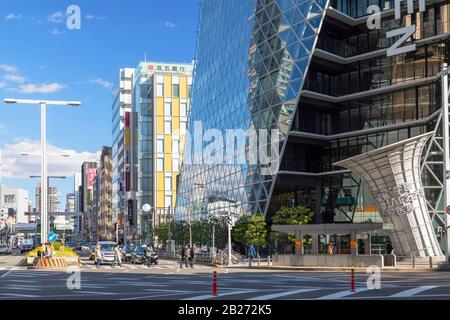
168	201
176	90
189	90
183	127
168	127
160	146
176	165
160	164
160	90
168	109
183	110
168	183
175	146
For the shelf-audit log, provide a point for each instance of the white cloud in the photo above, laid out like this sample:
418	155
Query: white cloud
2	85
56	31
20	167
14	78
7	68
41	88
56	17
13	16
3	129
168	24
102	82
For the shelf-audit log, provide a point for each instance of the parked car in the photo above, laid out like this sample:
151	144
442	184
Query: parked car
5	249
137	257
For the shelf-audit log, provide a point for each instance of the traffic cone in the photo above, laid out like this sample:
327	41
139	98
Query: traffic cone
214	293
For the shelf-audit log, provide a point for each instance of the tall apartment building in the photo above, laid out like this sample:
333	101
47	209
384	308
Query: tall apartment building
335	87
161	101
121	154
103	197
88	174
52	196
70	208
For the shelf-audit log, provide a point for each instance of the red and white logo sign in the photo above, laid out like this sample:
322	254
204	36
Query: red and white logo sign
151	67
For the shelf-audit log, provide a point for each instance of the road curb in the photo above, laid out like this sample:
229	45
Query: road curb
342	269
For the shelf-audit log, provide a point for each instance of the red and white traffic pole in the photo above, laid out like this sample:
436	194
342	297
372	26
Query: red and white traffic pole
353	281
214	288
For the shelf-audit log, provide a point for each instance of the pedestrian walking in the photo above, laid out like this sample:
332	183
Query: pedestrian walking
118	256
251	254
330	248
192	256
98	256
183	256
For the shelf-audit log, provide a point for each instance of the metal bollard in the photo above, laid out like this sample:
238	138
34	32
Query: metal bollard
214	288
353	281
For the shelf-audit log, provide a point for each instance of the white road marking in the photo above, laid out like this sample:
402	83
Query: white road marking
13	287
282	294
342	294
221	294
411	292
4	276
18	295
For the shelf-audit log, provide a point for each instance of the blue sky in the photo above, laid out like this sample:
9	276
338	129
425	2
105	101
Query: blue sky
41	58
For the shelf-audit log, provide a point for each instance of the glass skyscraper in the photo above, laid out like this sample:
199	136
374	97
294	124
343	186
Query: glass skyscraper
325	79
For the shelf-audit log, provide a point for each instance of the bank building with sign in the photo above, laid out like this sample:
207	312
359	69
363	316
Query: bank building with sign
363	128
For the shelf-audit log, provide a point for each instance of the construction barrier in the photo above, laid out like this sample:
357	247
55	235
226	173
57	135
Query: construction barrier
51	263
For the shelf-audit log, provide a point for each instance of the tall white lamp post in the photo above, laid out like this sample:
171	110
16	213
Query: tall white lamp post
44	183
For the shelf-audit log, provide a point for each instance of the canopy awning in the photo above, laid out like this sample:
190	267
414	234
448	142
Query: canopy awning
330	229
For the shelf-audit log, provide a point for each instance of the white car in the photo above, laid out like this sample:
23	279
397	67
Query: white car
4	249
107	249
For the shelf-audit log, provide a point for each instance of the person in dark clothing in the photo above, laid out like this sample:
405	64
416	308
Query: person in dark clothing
192	256
390	249
184	257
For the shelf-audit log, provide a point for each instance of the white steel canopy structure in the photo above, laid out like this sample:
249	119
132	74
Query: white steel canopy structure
393	174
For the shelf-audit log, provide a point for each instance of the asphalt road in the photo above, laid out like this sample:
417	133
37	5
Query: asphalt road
166	281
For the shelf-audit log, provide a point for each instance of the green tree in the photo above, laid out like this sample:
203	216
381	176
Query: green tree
161	231
239	230
297	215
256	233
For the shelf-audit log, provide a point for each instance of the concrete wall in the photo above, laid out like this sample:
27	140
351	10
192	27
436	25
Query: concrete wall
342	260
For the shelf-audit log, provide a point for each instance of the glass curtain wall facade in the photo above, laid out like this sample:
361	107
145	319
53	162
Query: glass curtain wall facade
314	71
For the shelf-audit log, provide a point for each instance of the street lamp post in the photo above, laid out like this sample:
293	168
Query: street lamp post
43	105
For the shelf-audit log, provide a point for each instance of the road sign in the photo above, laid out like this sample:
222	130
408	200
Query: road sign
447	210
52	237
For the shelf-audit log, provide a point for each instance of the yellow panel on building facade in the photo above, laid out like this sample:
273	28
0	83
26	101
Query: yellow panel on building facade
160	181
160	125
183	87
168	144
160	199
160	107
168	86
176	125
175	107
168	162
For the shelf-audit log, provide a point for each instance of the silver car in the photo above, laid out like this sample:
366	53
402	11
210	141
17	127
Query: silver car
5	249
107	249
